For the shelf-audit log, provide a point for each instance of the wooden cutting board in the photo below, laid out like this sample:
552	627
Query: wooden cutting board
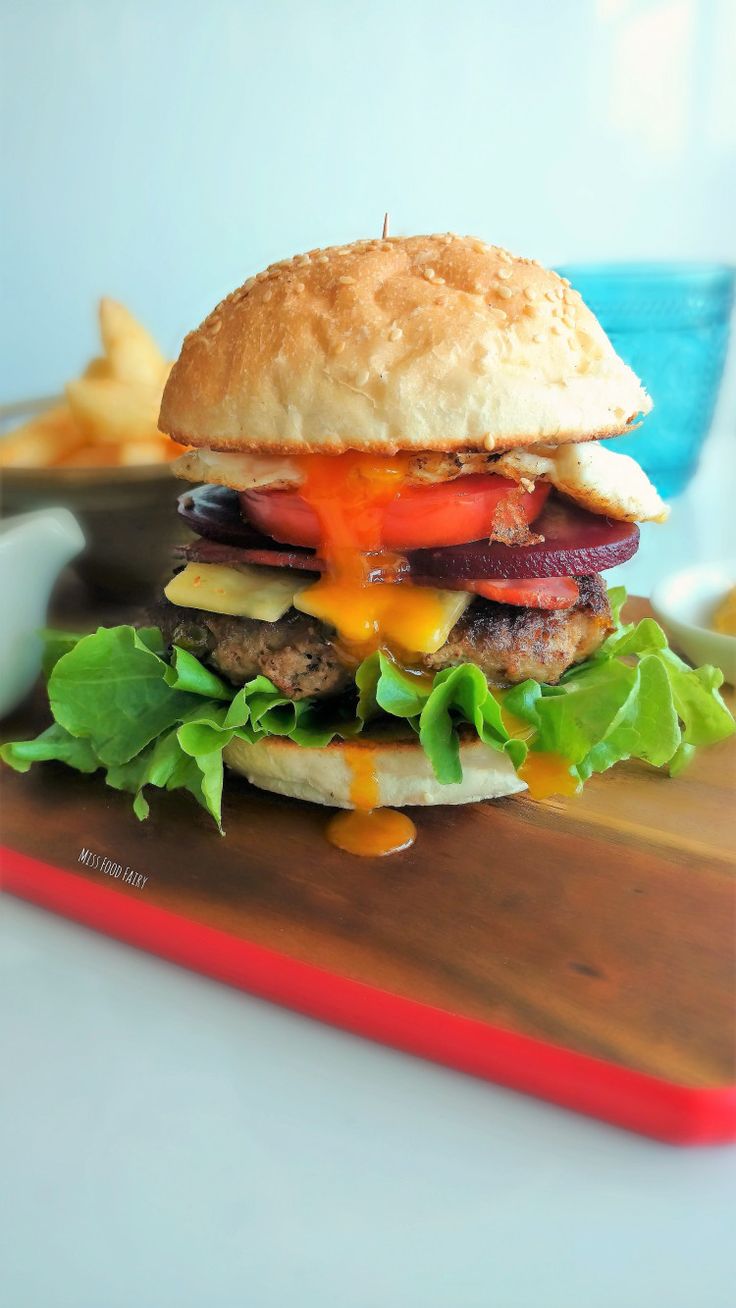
580	949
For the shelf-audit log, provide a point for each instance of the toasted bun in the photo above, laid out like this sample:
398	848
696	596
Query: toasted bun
403	772
416	343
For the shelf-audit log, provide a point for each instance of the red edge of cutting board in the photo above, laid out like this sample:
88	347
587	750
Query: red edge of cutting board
677	1114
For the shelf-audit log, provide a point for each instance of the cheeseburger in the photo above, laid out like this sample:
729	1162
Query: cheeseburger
403	515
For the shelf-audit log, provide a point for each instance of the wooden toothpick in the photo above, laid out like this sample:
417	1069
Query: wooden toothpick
384	233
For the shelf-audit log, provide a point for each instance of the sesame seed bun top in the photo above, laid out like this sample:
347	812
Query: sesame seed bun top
406	343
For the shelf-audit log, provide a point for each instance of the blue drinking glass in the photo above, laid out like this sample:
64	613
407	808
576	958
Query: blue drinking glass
670	323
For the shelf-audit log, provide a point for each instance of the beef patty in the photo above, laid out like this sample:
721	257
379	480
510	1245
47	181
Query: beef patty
508	643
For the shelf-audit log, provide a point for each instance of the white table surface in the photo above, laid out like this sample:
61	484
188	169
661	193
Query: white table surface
165	1141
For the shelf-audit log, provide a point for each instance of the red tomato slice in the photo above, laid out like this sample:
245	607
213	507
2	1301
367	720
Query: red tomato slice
534	593
445	513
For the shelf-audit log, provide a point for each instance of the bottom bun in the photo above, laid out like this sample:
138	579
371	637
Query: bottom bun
402	770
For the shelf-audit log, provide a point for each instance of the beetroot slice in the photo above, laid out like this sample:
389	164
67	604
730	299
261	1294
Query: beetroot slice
576	543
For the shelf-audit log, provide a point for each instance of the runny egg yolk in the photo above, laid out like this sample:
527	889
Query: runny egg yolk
546	775
366	829
349	494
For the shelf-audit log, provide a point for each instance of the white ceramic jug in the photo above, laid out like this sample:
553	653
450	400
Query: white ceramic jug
34	547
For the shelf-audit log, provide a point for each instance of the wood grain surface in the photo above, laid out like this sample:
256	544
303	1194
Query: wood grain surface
603	923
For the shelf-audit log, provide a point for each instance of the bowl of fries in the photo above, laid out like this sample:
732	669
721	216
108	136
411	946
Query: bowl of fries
97	451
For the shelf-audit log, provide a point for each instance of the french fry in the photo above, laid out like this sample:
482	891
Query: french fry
153	451
43	441
93	456
107	409
132	353
99	367
110	417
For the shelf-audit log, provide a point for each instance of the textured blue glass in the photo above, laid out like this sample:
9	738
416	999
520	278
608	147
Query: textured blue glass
670	322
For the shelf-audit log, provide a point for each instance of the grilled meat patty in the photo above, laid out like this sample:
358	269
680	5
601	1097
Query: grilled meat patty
295	652
508	643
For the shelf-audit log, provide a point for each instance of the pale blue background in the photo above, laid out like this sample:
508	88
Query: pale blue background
166	1142
162	151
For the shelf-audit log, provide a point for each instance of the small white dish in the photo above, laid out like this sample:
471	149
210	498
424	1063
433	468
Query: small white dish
34	547
685	602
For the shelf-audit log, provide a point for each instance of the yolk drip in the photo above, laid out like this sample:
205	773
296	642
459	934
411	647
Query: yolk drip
350	493
367	830
546	775
364	792
516	727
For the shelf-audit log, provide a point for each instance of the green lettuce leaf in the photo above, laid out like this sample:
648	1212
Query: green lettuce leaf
155	722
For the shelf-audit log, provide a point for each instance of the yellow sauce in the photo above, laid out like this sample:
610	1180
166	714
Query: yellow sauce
350	493
724	617
546	775
517	728
366	830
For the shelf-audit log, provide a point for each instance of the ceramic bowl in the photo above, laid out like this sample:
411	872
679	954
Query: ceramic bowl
128	516
685	602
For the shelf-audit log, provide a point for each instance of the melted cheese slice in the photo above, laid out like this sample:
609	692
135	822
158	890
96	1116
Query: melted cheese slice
416	619
242	592
603	481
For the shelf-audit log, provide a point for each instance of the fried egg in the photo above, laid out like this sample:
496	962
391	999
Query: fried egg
599	479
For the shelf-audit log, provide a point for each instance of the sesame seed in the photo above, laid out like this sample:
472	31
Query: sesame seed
346	281
501	314
250	282
505	272
564	281
300	287
323	258
362	377
555	329
538	339
505	292
550	295
531	294
439	281
430	273
339	347
303	261
395	334
261	276
214	326
268	294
